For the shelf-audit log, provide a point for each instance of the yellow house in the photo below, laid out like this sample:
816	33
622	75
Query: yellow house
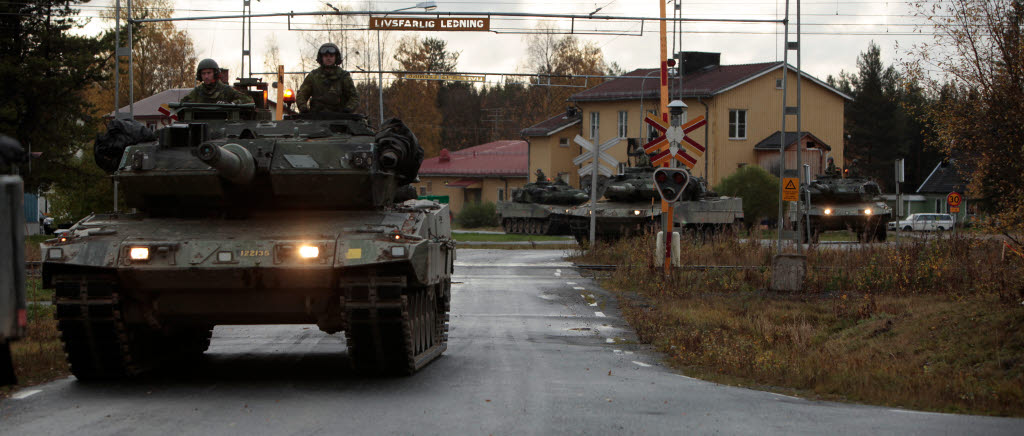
552	148
478	174
742	105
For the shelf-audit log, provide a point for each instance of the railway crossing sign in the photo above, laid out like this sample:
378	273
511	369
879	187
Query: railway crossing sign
674	142
589	154
953	200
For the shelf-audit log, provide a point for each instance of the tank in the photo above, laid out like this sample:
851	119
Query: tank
539	208
837	203
240	219
633	206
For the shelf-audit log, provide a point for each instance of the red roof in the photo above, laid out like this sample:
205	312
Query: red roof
552	125
508	158
701	83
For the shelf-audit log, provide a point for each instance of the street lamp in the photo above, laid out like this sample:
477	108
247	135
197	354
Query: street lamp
426	6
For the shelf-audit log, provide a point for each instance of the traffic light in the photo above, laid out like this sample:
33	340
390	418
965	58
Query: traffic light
670	182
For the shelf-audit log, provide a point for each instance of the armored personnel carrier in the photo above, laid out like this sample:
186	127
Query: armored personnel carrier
246	220
633	206
539	208
838	203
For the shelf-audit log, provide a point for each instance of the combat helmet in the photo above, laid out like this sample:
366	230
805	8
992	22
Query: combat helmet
328	47
205	64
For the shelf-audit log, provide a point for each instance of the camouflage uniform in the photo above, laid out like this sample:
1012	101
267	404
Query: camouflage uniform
216	92
328	89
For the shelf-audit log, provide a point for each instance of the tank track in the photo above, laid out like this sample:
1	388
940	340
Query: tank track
97	342
394	329
89	319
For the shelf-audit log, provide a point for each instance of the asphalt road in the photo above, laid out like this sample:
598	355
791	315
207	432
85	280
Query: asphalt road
534	349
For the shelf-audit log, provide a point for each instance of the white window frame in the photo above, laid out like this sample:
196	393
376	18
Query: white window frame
595	125
623	124
735	125
563	142
778	83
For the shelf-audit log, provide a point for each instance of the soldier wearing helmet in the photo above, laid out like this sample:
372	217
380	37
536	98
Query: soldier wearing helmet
212	90
328	88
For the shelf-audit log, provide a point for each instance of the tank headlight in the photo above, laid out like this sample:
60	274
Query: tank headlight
55	253
309	251
636	212
397	251
828	211
139	253
867	211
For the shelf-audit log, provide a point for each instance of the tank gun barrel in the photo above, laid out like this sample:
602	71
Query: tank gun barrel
232	161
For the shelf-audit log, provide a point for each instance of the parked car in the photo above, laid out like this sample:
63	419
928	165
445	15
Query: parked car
925	222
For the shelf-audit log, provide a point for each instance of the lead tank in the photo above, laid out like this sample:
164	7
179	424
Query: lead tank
837	203
633	206
539	208
245	220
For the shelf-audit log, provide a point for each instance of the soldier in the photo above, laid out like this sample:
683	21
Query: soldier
540	176
328	88
212	90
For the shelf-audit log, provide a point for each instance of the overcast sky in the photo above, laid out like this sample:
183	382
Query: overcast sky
835	32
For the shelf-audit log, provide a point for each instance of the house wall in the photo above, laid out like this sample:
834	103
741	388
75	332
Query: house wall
548	154
823	116
487	189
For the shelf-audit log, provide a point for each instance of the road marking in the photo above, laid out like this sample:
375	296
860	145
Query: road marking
579	288
915	412
609	340
593	304
25	394
592	296
599	314
570	283
642	364
514	265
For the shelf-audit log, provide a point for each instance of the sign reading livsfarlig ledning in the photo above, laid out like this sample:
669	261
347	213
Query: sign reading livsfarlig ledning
431	24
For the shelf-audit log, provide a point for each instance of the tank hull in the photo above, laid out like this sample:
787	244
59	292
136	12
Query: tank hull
847	216
534	218
618	219
381	276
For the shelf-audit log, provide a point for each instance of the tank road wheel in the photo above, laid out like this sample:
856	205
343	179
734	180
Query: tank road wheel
397	330
96	342
545	227
506	225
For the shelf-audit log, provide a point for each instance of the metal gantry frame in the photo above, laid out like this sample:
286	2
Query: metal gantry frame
786	111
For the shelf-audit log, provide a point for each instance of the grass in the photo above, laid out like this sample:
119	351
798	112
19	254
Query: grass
39	356
929	324
32	246
34	290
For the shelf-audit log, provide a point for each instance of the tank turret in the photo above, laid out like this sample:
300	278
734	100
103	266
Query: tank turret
634	184
545	192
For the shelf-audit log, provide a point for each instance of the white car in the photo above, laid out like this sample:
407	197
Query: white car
925	222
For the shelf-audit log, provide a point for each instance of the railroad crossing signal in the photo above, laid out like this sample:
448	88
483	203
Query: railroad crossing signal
671	182
601	155
674	142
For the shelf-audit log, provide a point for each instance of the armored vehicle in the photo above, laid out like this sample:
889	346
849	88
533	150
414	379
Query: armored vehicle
838	203
539	208
246	220
633	206
13	319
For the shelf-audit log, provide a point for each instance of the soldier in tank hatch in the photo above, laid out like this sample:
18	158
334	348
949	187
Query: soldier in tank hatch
213	90
328	88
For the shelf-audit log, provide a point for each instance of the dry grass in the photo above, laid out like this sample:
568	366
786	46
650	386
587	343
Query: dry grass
931	324
39	356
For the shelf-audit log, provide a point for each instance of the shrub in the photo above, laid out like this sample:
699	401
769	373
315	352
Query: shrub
477	215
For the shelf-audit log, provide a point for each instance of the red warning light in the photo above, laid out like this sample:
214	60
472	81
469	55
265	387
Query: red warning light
289	96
